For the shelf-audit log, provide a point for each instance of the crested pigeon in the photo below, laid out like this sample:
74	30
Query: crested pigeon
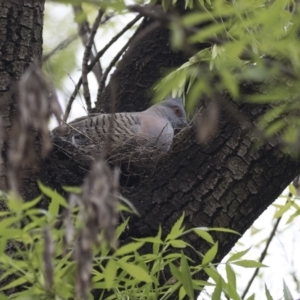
153	127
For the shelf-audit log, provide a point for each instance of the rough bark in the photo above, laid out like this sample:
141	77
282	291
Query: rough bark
21	26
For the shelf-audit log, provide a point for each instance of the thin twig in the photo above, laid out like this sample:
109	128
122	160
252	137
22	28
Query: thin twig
108	69
84	32
132	40
152	11
72	98
86	57
113	40
93	62
262	257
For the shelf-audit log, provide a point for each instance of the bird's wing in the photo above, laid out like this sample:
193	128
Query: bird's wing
95	128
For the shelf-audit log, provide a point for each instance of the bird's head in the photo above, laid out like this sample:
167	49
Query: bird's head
174	111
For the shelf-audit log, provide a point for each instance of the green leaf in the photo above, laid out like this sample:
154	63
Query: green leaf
56	199
204	235
135	271
2	245
221	229
110	272
267	293
97	276
210	254
153	240
232	292
156	246
252	297
230	82
178	244
249	264
128	248
14	204
213	274
8	222
208	32
72	189
14	283
283	209
231	276
182	293
186	276
293	190
131	207
238	255
32	203
175	272
176	229
287	295
12	233
195	18
293	216
120	229
216	295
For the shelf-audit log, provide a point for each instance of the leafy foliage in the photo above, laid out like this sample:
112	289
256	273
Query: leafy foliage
119	273
250	41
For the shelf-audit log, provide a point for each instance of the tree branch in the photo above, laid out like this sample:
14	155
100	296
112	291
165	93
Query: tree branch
86	57
113	40
84	31
262	257
116	58
93	62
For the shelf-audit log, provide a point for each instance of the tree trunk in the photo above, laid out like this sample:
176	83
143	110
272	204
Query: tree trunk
21	27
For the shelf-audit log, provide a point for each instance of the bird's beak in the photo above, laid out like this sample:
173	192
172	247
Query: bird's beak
182	124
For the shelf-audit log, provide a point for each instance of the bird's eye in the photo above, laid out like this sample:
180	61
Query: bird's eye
177	111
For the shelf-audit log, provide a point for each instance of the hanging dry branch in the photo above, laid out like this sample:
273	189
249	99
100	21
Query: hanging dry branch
37	102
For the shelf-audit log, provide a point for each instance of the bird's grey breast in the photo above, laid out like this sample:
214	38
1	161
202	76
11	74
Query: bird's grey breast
157	130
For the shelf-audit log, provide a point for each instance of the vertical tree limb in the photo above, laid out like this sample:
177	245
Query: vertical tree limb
86	57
